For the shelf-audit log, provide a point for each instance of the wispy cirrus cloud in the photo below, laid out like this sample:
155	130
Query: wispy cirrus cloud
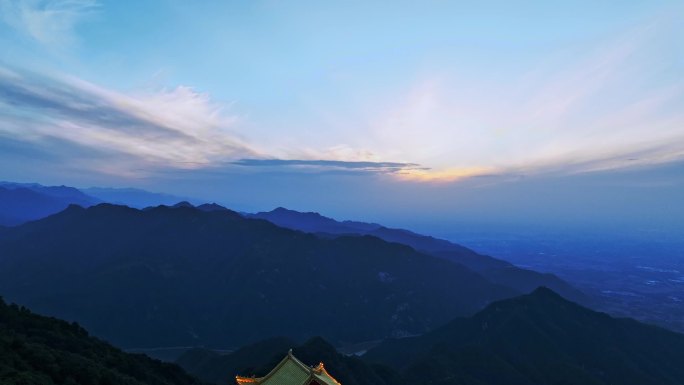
141	133
49	22
170	128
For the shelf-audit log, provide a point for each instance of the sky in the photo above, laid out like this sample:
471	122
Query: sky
412	113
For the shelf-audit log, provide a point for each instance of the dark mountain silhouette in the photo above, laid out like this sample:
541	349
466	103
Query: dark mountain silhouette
495	270
185	277
21	203
211	207
218	368
259	358
133	197
312	222
539	338
183	204
19	206
41	350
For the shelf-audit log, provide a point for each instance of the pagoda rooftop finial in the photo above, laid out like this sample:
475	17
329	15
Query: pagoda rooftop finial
291	371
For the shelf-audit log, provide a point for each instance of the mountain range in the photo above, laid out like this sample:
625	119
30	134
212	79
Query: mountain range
434	312
538	338
132	197
22	202
182	276
494	270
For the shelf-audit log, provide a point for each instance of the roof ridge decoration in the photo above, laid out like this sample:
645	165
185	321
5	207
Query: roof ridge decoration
320	370
312	373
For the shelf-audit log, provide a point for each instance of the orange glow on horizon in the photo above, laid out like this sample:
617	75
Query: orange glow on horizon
442	176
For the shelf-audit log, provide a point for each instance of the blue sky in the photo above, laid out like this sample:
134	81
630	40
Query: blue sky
404	101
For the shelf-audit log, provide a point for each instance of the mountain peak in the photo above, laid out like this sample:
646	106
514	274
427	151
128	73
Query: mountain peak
540	298
283	210
183	204
319	342
212	207
538	338
545	292
74	208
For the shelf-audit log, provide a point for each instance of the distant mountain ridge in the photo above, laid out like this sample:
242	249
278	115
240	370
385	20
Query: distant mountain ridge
71	194
133	197
23	202
495	270
31	206
179	276
312	222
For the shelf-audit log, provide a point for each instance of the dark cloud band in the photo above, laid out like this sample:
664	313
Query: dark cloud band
386	167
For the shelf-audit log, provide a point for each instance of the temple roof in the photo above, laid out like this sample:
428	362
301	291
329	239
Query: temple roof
291	371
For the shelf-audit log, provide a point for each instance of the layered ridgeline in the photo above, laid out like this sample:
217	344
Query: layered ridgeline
132	197
42	350
539	338
23	202
495	270
185	277
259	358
